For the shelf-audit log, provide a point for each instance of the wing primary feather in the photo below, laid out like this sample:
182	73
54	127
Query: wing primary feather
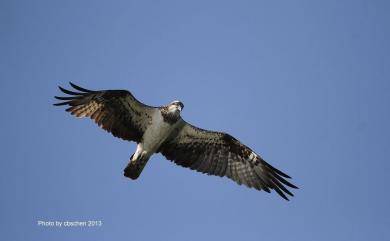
62	103
69	92
284	181
277	189
280	193
258	184
277	183
259	175
67	98
275	170
81	88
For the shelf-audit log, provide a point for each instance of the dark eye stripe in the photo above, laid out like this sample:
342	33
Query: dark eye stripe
178	104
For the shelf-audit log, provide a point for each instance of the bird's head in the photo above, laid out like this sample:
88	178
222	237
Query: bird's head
175	107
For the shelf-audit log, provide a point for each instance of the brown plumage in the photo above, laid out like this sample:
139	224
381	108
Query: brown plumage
116	111
161	129
220	154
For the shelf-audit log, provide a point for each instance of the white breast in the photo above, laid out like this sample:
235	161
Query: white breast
156	133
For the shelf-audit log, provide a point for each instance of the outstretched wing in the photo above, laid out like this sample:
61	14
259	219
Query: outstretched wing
116	111
220	154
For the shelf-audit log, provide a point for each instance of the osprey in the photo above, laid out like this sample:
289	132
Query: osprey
162	130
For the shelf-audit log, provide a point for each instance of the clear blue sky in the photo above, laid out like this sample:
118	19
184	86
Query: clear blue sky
304	83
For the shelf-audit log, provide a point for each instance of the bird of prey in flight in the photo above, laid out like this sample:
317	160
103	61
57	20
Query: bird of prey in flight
162	130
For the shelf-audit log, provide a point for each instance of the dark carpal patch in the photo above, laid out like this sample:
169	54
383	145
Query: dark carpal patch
236	146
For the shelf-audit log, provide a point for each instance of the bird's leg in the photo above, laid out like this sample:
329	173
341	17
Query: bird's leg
128	164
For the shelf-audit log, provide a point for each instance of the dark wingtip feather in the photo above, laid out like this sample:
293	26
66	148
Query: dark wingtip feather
276	170
288	184
62	103
281	193
266	189
67	98
69	92
80	88
281	179
276	180
279	185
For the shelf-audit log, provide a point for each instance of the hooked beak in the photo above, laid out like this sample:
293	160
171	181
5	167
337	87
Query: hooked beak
179	108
